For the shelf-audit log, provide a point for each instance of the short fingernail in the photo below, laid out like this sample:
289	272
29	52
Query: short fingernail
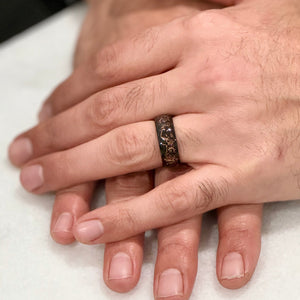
20	151
170	283
120	266
233	266
64	223
32	177
89	231
45	112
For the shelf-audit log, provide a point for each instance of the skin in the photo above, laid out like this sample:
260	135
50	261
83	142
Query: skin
215	179
181	240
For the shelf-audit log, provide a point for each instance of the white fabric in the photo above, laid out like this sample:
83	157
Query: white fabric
33	267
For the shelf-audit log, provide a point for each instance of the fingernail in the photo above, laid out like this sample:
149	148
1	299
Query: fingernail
233	266
32	177
46	112
120	266
20	151
89	231
64	223
170	283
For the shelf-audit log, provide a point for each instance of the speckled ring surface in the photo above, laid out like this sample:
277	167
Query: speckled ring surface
167	140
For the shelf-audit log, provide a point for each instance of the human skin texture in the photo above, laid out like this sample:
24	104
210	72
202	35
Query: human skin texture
176	241
231	80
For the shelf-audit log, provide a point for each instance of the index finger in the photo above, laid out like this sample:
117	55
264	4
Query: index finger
152	52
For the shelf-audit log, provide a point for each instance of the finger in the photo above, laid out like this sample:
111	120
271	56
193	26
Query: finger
123	259
127	149
69	205
141	56
129	103
177	259
177	255
239	243
181	198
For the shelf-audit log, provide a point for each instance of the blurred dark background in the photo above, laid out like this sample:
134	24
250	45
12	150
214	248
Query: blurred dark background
18	15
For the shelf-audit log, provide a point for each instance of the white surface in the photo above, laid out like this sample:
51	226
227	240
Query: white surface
33	267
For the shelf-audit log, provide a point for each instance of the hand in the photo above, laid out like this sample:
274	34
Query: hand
182	238
109	21
241	87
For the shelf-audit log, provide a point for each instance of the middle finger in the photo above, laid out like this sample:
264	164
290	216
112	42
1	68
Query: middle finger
123	259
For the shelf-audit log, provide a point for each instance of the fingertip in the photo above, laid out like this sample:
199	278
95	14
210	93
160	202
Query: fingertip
88	231
233	274
236	269
239	244
170	284
20	151
234	284
69	206
121	286
32	178
63	238
61	231
120	277
122	264
45	113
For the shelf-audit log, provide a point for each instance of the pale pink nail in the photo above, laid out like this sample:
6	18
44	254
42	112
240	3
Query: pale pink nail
32	177
233	266
170	284
20	151
120	266
64	223
89	231
46	112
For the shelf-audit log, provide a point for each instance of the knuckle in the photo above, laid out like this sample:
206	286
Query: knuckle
210	18
127	147
105	62
131	184
126	217
207	24
212	74
236	237
181	248
178	199
103	109
238	231
140	97
240	228
191	23
206	195
210	194
148	39
132	97
186	24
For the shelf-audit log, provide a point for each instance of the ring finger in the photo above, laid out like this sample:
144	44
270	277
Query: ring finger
127	149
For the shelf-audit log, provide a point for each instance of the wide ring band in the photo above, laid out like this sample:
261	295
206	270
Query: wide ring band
167	140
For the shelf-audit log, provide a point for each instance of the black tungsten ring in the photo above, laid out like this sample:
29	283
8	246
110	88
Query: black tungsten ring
167	140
